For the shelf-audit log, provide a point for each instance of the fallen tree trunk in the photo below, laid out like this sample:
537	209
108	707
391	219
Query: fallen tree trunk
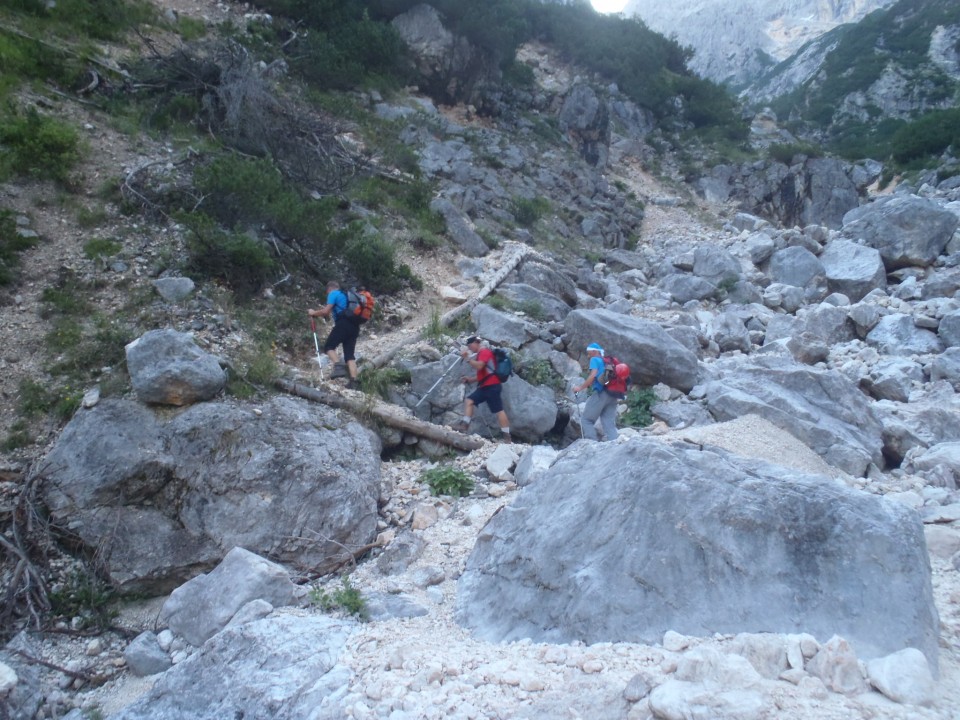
386	413
447	318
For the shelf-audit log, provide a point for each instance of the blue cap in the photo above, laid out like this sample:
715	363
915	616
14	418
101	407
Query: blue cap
594	346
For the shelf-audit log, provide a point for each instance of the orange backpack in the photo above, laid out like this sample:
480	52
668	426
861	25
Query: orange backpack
359	305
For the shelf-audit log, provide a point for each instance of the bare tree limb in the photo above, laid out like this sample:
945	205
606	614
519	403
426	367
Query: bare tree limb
384	412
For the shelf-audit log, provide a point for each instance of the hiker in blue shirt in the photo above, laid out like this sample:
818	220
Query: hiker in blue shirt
601	404
345	332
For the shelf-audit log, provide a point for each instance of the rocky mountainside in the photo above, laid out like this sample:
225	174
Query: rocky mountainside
774	532
736	41
900	63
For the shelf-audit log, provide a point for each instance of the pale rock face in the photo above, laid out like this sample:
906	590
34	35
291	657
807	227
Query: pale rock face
735	40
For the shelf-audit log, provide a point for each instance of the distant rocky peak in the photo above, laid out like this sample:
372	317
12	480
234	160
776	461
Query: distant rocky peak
734	41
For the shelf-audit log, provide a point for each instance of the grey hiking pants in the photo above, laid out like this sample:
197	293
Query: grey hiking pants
602	406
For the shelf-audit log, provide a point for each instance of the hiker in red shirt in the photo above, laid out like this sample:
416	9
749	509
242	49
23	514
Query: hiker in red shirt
488	387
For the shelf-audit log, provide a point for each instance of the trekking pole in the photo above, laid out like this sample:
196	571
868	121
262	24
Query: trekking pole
439	380
316	344
579	414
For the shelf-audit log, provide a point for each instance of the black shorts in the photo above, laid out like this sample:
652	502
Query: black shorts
489	394
345	332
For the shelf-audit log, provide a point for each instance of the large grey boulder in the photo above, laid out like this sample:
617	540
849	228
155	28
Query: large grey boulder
632	539
202	607
892	379
815	191
502	328
799	267
821	408
728	330
898	334
946	366
949	329
161	500
829	193
716	265
653	356
166	367
545	278
144	656
853	269
460	229
829	323
534	301
682	288
906	229
450	68
281	667
585	119
928	419
942	456
532	410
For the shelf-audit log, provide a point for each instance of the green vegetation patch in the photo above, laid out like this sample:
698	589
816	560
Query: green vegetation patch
639	402
379	381
346	598
12	244
447	480
37	145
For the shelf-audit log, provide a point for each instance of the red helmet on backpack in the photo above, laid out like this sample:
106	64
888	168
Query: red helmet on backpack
622	371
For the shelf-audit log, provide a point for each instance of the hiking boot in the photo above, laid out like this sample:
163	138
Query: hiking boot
339	370
506	439
461	426
354	384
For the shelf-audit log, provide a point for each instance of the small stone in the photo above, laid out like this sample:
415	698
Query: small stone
94	647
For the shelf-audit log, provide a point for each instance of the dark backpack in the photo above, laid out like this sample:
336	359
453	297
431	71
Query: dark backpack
359	305
613	383
503	365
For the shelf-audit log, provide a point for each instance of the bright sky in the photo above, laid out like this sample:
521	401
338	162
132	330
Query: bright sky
608	6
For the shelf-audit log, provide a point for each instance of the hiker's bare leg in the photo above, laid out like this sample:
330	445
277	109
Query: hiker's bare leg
503	420
334	358
352	369
468	407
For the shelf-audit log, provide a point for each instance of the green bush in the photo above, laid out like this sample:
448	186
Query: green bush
238	190
786	152
33	399
35	145
239	260
533	309
19	437
372	259
84	595
541	372
447	480
98	19
11	245
927	137
528	211
639	401
68	298
101	248
86	349
64	336
346	598
378	381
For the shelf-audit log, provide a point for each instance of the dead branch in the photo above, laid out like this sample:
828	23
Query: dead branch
26	594
95	680
520	252
384	412
349	556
